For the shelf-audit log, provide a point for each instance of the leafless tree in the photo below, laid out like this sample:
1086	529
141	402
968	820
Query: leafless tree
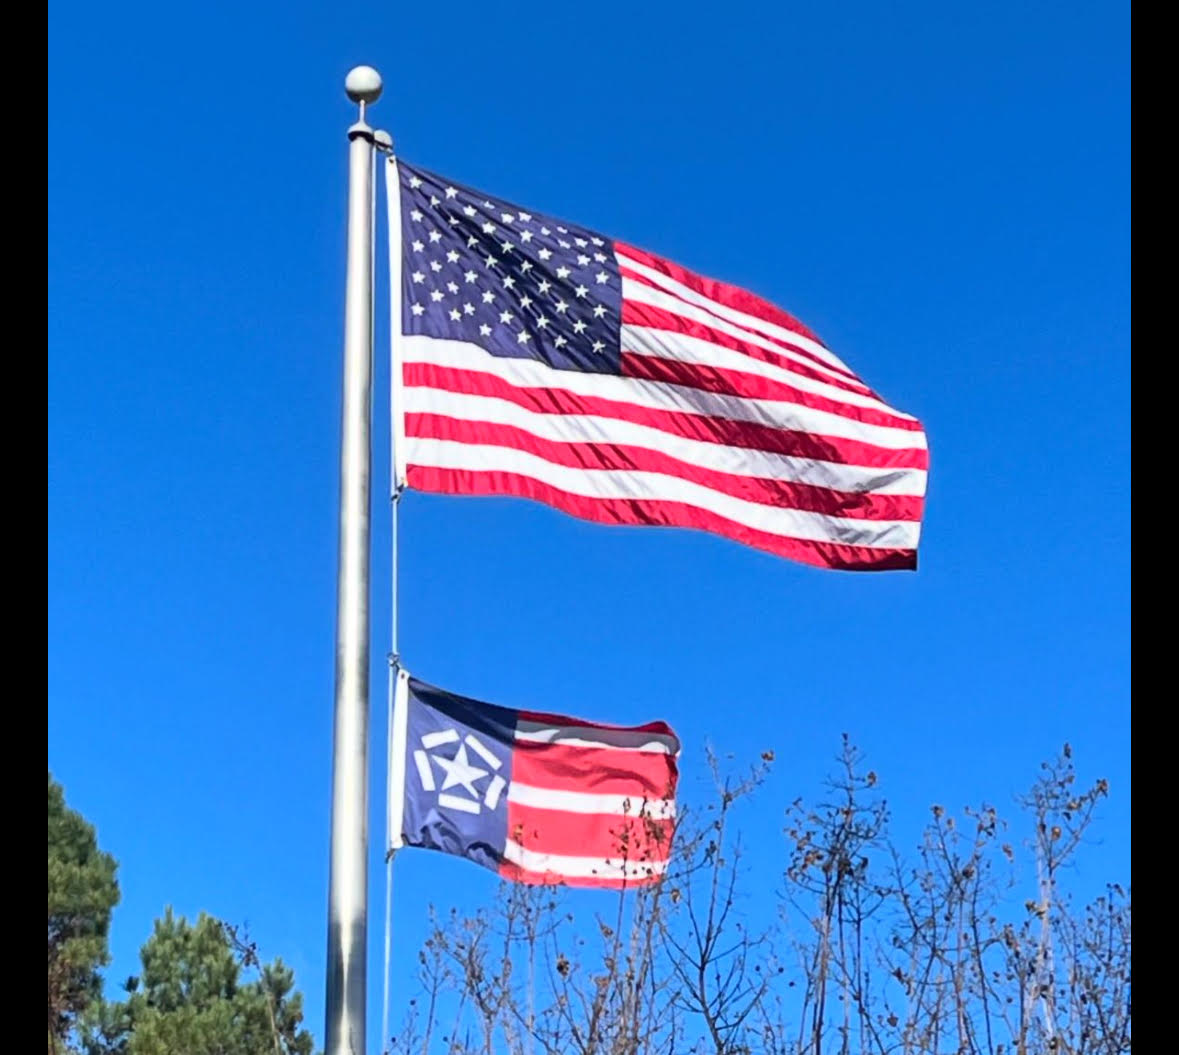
875	950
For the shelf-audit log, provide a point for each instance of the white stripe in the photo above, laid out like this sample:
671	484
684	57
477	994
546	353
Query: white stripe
475	745
750	322
586	802
560	865
656	395
591	736
433	740
612	483
739	461
425	773
454	802
683	348
569	738
494	790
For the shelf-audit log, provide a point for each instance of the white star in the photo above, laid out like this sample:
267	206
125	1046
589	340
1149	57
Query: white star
451	192
509	282
418	277
601	277
525	236
491	261
563	230
488	205
507	246
470	276
455	314
600	257
544	254
435	236
452	220
468	210
436	295
417	246
468	308
435	200
562	272
472	241
545	230
488	296
507	217
523	337
525	300
559	341
417	309
415	182
526	266
598	346
563	244
525	216
545	285
452	286
582	259
489	228
581	291
484	330
460	772
578	326
416	215
542	322
597	241
505	317
452	256
581	243
561	306
435	266
599	310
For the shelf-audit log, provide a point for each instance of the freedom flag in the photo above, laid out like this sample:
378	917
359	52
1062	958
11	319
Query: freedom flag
538	798
542	359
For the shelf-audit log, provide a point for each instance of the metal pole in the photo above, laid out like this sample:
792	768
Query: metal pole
348	887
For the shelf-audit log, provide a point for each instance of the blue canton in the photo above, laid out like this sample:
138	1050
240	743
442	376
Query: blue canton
458	766
517	284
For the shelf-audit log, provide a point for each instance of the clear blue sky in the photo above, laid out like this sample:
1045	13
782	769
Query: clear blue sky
941	191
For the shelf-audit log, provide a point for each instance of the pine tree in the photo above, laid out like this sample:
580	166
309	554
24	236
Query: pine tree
82	893
191	997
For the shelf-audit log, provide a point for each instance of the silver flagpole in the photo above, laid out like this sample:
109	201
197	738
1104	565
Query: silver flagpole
348	888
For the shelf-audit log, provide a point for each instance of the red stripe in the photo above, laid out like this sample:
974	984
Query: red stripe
609	837
724	431
779	493
522	875
594	770
752	386
662	513
729	296
636	313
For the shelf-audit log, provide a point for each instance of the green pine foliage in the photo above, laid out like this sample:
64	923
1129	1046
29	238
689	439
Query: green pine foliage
193	997
202	988
82	893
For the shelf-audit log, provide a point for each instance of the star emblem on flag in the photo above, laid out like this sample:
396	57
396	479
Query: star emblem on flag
451	772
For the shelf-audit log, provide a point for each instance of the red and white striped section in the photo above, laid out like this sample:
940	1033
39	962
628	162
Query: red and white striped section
589	805
729	416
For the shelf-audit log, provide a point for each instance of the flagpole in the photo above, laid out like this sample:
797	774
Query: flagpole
348	886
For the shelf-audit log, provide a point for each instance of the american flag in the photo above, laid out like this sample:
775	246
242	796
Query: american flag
542	359
538	798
